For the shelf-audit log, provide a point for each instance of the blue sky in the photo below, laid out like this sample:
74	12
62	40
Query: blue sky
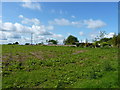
57	20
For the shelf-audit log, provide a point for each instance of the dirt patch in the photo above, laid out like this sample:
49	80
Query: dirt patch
21	57
6	57
10	57
80	51
42	55
38	55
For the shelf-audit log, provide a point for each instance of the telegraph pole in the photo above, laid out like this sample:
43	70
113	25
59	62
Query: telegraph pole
81	41
31	38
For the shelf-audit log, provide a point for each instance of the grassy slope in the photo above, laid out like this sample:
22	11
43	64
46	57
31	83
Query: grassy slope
59	67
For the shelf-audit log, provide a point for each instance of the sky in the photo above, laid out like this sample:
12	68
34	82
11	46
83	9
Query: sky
57	20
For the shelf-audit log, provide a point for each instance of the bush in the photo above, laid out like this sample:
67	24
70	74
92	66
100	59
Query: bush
77	44
105	44
27	43
9	43
16	43
91	46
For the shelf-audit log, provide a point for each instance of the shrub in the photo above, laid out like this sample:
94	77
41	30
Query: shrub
27	43
103	44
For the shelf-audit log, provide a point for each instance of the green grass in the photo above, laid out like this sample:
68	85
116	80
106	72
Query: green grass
59	67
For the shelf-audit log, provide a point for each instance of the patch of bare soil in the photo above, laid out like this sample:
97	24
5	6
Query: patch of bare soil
20	57
24	56
5	57
10	57
38	55
42	55
80	51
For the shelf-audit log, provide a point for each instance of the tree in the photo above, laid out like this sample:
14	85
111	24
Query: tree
114	40
118	40
40	43
71	40
100	36
27	43
9	43
86	42
105	39
16	43
52	41
103	44
96	43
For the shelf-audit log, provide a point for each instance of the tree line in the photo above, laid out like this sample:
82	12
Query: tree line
98	41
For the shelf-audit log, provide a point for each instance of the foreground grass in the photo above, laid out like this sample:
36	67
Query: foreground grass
59	67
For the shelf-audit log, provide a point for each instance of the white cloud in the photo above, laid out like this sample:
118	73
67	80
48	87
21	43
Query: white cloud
94	24
73	16
49	27
21	28
76	23
36	28
61	12
31	5
65	22
22	33
2	36
110	35
57	36
40	30
21	16
10	27
25	20
11	30
41	37
26	39
7	26
81	33
60	41
61	22
91	24
9	35
93	36
15	36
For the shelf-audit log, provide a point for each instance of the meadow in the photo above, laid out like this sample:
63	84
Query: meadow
26	66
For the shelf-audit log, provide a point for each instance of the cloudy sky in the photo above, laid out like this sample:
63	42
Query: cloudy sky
50	20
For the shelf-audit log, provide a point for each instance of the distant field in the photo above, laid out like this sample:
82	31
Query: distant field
59	67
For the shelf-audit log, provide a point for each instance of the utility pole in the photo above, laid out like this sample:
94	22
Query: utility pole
81	41
31	38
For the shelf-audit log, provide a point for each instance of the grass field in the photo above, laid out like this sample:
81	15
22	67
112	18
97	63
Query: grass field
59	67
